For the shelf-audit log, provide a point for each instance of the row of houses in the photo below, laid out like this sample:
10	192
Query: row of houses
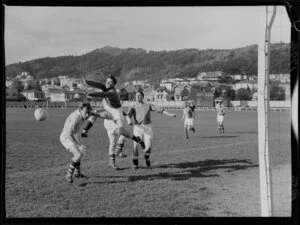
64	88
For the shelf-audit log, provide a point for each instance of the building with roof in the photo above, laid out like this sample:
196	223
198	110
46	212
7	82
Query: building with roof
245	84
34	95
181	92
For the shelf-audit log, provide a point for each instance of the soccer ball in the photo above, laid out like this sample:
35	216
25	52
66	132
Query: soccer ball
40	114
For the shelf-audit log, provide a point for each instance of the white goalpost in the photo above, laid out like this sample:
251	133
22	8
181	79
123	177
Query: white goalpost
267	19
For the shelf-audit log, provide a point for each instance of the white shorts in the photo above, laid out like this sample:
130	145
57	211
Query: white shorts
117	113
220	118
189	122
67	141
110	126
143	131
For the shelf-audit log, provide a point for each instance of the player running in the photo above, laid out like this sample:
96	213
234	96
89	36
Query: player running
188	116
220	115
140	113
111	102
69	137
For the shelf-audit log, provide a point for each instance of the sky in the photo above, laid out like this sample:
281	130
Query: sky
37	32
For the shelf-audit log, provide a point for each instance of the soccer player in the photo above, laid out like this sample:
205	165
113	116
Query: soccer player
114	149
220	115
69	137
140	113
188	116
111	102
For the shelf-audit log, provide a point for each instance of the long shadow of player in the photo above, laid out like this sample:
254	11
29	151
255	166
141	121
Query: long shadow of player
221	136
197	169
187	170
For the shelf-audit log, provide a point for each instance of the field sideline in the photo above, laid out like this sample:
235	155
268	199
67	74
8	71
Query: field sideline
210	174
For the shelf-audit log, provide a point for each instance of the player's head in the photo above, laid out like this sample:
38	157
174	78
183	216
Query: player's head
111	81
85	109
139	96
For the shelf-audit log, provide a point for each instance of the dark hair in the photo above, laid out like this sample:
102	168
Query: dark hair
86	105
112	77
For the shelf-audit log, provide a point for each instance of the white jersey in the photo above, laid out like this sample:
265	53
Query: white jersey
73	125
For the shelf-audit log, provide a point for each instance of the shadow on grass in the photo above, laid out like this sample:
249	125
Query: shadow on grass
243	132
195	169
221	136
187	170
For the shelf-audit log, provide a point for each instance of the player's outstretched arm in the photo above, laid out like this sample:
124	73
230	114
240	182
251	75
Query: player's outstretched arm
169	114
95	84
102	115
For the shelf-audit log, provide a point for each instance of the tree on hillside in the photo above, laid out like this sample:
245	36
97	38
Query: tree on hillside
277	93
18	85
226	80
243	94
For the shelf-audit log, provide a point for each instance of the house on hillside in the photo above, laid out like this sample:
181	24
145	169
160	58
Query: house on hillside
162	95
59	95
149	94
8	83
181	92
245	84
238	76
280	78
45	87
211	76
202	94
34	95
168	85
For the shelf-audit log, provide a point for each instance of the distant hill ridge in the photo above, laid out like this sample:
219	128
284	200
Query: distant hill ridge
137	63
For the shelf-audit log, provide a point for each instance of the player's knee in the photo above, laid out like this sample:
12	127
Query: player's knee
77	156
148	150
120	130
112	144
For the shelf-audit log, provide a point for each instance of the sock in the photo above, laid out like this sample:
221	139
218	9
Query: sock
136	139
77	168
112	158
186	132
146	156
119	148
135	162
72	168
87	126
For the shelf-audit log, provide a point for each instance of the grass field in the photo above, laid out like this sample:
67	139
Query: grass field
208	175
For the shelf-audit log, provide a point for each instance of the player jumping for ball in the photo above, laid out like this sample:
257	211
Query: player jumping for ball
188	117
220	116
69	137
140	113
110	126
112	103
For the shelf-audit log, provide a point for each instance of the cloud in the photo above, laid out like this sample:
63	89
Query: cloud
32	32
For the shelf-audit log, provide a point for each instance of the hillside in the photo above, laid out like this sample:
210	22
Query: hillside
130	64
